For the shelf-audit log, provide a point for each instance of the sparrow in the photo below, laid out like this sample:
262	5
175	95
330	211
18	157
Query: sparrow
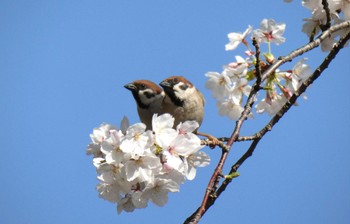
149	97
184	102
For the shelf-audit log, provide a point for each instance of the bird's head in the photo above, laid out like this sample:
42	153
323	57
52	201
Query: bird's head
145	92
178	89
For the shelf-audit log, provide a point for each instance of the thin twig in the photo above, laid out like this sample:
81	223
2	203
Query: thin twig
257	63
239	139
209	142
326	26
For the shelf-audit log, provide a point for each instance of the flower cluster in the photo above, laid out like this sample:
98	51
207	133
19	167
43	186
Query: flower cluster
135	165
339	12
232	84
229	87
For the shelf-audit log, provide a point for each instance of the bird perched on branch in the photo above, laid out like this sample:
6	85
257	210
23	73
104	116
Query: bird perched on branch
184	102
149	97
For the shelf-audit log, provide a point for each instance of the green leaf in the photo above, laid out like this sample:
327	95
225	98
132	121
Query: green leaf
232	175
250	75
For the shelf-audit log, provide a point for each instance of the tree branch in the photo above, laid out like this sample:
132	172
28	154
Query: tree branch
209	197
213	192
284	110
257	63
324	27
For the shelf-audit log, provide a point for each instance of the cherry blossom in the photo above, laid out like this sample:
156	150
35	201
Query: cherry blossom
237	69
158	190
218	83
162	127
270	31
198	159
137	140
135	166
271	104
142	167
237	38
229	108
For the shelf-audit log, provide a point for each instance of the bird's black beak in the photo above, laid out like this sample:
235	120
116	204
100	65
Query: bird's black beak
166	84
131	87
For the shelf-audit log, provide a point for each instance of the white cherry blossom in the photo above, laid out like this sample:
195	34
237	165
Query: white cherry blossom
137	140
239	68
198	159
142	167
270	31
163	129
126	204
135	166
271	104
237	38
158	190
230	109
218	83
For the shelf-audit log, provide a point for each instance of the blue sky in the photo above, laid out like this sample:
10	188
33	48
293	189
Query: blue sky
63	65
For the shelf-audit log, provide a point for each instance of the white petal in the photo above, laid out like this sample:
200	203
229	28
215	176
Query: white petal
162	121
191	173
187	126
131	170
124	124
199	159
136	129
232	45
165	137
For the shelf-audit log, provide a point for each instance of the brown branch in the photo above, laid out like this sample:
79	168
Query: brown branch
326	26
239	139
209	197
284	110
257	63
212	191
221	144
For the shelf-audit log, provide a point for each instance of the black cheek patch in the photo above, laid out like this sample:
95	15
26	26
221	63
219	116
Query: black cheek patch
174	98
149	95
138	100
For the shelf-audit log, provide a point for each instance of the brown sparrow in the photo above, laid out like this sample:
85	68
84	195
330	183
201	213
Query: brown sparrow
149	97
184	102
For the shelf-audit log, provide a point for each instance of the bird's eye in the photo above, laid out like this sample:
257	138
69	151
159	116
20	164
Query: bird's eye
175	80
184	87
143	86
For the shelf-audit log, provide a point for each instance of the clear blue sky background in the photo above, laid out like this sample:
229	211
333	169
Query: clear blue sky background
63	65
